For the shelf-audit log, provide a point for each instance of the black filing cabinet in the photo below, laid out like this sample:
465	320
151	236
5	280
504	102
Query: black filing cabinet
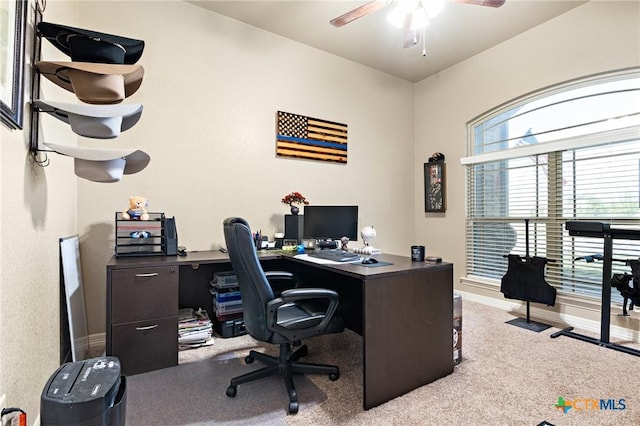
142	317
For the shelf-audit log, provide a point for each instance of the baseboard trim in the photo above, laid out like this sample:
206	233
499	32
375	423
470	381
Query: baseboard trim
556	319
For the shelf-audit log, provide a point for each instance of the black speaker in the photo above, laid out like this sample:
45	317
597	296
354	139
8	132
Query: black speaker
279	242
327	245
293	225
171	237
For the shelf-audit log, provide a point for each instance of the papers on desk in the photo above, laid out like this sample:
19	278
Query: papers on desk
194	328
325	261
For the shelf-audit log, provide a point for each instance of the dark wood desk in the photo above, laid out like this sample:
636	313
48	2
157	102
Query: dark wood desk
403	311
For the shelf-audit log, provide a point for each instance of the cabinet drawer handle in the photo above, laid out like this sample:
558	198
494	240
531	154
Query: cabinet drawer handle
145	328
149	274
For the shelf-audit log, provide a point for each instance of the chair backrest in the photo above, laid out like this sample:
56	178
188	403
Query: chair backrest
254	286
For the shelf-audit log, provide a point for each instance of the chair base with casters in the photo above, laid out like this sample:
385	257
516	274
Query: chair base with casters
286	365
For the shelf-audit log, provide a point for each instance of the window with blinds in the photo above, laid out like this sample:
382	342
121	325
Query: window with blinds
570	153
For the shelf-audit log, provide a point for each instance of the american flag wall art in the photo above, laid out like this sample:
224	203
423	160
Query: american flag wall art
310	138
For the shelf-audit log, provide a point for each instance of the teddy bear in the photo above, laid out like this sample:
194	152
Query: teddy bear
137	209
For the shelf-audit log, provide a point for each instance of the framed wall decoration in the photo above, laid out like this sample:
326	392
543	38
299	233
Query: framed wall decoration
299	136
13	17
434	186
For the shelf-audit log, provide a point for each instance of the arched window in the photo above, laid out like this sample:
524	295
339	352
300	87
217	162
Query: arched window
570	152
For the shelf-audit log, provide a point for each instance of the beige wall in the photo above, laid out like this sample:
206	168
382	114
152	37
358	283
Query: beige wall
37	207
211	90
594	38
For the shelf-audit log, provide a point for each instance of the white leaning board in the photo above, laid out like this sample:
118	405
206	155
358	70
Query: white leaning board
74	294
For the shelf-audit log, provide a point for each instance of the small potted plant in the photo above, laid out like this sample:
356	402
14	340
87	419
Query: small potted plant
292	199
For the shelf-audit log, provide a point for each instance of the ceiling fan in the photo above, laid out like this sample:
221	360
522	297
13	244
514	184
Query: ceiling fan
412	15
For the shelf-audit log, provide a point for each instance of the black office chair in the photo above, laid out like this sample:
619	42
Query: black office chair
285	320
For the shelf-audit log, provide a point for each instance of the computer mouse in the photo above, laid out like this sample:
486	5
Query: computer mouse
369	261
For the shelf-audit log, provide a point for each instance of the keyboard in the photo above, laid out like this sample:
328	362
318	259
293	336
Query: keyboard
336	255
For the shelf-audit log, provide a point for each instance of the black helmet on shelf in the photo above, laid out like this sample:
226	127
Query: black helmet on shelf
437	156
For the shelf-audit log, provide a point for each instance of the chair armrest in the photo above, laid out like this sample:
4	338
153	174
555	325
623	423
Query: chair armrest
299	295
279	275
296	294
280	281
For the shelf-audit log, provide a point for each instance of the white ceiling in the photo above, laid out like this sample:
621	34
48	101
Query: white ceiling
458	32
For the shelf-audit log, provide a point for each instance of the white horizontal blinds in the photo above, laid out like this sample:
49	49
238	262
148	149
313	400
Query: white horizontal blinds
600	183
582	179
597	183
508	194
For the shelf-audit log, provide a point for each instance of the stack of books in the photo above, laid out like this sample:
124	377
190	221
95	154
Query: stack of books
194	328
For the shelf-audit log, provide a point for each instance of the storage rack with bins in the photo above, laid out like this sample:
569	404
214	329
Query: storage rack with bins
140	237
227	305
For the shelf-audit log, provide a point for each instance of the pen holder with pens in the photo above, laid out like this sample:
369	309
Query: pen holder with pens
259	241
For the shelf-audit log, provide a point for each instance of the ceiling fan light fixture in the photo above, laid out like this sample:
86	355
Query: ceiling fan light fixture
399	14
402	11
414	14
433	7
419	19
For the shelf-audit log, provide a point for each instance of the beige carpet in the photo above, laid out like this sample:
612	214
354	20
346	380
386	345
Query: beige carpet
508	376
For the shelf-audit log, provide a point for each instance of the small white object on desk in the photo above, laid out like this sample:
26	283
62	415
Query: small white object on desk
368	234
367	250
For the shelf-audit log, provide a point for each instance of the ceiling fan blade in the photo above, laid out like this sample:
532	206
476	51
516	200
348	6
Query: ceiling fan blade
358	12
490	3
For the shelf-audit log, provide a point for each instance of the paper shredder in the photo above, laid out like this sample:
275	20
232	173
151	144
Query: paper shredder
85	393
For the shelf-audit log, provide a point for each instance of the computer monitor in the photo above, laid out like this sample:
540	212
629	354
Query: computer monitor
330	222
